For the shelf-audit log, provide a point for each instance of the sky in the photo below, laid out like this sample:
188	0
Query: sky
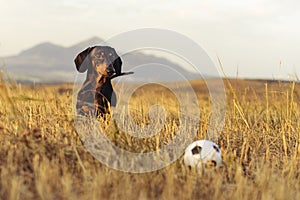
252	38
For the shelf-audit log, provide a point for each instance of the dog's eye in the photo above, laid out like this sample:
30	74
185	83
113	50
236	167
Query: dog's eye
97	55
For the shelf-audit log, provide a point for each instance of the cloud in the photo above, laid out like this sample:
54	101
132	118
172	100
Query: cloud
250	33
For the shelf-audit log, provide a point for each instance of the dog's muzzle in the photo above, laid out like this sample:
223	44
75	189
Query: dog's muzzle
110	70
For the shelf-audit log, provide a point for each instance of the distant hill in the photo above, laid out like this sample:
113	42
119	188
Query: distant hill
51	63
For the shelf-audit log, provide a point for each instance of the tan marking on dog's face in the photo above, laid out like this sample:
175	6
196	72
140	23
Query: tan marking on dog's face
101	59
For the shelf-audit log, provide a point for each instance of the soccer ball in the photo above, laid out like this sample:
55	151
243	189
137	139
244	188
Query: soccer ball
202	154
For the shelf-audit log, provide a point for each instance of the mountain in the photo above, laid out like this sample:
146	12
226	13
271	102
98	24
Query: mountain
50	63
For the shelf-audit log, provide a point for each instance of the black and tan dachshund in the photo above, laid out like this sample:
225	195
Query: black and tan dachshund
96	94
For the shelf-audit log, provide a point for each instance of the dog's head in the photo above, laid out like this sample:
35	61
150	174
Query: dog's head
99	60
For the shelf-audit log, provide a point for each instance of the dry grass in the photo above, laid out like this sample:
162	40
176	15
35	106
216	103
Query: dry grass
41	156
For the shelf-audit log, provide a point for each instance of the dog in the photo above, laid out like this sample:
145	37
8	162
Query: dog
96	95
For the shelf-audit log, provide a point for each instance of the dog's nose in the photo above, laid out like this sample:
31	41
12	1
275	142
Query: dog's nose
110	70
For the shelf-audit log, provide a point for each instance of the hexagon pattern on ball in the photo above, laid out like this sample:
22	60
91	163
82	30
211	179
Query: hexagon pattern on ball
202	154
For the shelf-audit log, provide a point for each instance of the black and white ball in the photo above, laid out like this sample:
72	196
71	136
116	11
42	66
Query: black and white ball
202	154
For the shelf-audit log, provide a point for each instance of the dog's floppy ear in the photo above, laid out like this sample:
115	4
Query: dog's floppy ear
81	62
118	65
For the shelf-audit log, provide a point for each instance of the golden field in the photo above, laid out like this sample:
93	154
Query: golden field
42	157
